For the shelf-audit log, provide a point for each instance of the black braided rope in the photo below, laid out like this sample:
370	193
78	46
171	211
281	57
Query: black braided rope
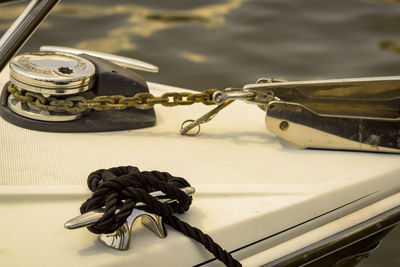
119	189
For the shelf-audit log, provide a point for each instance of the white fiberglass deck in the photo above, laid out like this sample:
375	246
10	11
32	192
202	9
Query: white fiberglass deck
249	184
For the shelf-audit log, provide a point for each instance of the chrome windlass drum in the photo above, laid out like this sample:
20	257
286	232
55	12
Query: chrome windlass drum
49	74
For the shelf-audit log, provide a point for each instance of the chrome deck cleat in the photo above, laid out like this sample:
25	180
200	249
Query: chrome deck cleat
120	239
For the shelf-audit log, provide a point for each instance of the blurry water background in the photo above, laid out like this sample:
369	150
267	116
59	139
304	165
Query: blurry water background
218	44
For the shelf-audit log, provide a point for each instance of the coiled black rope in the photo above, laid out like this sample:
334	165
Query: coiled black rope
119	189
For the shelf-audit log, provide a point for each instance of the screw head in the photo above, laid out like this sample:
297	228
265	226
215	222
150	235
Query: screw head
284	125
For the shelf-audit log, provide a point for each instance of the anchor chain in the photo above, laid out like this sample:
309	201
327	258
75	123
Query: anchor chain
77	104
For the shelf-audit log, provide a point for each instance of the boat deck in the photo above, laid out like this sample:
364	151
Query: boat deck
253	191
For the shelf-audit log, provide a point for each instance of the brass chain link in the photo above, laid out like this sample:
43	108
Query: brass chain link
78	104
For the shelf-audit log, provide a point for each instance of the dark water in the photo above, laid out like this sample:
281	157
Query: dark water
210	43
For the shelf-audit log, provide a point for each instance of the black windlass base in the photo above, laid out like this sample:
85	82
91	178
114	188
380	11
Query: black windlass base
111	80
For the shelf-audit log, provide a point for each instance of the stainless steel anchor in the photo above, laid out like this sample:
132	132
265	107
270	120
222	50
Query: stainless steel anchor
346	114
120	239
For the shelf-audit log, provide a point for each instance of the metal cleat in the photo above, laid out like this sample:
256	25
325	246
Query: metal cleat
120	239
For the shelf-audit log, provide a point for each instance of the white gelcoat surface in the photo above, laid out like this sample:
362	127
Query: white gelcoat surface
249	184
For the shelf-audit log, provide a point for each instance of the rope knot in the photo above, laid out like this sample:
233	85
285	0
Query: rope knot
119	189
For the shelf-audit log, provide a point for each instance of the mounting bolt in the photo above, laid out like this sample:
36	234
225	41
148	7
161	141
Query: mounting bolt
284	125
271	107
